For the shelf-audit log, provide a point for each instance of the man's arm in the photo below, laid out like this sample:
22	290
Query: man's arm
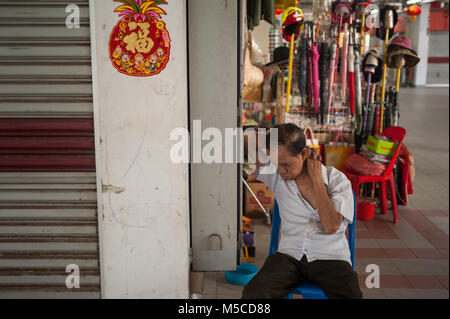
329	218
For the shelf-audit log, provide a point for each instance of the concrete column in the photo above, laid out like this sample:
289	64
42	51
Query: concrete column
419	34
143	196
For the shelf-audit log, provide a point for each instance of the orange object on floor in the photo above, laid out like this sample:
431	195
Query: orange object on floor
397	134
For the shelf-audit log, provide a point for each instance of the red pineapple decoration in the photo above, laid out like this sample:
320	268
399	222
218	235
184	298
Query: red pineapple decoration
413	11
139	44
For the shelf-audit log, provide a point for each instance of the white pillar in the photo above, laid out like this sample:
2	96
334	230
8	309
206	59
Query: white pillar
143	197
419	34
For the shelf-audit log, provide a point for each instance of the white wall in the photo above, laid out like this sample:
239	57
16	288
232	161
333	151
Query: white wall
144	217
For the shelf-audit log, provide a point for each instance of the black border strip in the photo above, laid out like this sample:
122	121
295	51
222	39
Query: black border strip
189	123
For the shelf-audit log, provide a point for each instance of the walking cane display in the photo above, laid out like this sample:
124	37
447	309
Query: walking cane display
400	54
372	74
371	110
388	18
359	8
291	55
292	21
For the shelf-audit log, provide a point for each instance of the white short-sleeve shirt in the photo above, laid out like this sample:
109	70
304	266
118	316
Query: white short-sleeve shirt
301	231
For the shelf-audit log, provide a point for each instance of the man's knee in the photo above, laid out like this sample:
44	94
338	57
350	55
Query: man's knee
251	291
256	289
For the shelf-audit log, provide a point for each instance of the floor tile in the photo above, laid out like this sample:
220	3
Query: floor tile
433	293
224	287
371	252
390	243
418	243
443	263
367	243
399	253
434	213
210	283
443	280
419	267
443	252
441	222
394	293
437	234
426	253
373	293
363	234
424	282
439	243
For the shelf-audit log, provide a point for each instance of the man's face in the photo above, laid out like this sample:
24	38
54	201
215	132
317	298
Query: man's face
289	166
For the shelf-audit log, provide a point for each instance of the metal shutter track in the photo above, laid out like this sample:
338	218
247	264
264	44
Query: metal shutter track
48	200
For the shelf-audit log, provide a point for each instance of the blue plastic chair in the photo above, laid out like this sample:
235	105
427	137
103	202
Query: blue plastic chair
309	290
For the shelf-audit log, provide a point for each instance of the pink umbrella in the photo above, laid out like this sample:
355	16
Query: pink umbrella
315	66
331	81
344	64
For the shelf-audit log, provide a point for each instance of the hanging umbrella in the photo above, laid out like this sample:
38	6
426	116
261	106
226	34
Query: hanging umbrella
344	64
310	72
351	75
292	21
331	80
342	12
358	93
324	62
303	67
315	63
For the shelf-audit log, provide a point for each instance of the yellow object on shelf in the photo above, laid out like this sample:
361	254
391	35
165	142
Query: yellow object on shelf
380	147
283	4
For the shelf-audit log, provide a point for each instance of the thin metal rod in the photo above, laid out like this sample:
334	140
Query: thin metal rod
256	198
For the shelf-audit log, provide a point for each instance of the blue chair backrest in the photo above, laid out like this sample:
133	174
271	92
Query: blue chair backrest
274	236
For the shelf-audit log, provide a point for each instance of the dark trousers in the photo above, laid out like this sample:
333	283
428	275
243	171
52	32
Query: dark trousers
282	273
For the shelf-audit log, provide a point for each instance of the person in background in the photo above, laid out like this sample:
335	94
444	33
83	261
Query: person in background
316	205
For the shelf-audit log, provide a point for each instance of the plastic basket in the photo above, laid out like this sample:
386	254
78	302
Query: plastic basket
365	210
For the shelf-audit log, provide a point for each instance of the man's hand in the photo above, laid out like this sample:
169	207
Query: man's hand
314	165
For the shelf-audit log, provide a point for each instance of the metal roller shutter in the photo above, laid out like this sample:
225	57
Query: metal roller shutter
48	201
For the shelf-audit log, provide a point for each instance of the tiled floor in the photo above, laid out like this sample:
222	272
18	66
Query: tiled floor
413	254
